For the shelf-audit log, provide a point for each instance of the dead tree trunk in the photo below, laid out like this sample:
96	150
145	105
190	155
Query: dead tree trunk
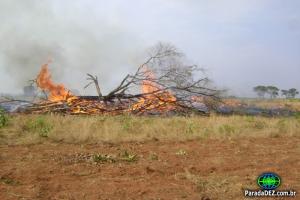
94	79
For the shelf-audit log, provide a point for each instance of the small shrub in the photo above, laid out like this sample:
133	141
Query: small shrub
126	156
40	126
3	118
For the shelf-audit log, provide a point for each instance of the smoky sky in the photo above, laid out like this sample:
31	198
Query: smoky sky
240	43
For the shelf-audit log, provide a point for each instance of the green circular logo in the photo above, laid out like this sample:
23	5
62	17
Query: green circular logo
269	181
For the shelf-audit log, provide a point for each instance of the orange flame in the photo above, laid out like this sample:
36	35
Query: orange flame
149	86
155	96
57	92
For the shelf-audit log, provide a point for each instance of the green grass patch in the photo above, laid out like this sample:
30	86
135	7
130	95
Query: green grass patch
39	125
128	157
3	119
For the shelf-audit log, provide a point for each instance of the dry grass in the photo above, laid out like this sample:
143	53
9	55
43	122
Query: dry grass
214	186
31	129
293	104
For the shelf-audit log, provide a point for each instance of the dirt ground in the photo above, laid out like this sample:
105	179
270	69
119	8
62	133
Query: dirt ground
197	169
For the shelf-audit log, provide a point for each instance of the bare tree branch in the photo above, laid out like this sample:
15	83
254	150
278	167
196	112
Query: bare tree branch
94	79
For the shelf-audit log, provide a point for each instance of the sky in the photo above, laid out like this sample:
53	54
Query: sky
239	43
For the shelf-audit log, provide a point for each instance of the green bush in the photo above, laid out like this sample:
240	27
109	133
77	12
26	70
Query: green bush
39	125
3	118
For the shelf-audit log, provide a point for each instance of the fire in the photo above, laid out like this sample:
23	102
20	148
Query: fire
57	92
155	97
149	86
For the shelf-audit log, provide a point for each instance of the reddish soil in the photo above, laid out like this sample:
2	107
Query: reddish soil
197	169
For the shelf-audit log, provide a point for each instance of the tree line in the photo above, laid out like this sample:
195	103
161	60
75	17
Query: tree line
274	92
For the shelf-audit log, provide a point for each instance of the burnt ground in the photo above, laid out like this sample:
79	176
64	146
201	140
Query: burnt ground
196	169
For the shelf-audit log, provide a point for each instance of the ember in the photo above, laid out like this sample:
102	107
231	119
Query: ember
154	96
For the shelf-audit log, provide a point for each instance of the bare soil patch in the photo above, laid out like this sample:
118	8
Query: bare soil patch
195	169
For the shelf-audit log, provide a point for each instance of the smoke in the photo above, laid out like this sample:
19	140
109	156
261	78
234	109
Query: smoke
75	38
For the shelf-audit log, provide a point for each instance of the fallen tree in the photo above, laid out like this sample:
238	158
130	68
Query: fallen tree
163	83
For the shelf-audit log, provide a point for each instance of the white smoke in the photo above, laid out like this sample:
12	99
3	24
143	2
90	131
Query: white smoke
73	37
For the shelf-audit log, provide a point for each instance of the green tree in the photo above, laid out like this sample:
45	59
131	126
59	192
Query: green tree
293	92
272	91
260	90
285	93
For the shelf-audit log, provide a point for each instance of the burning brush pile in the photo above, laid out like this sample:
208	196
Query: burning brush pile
170	90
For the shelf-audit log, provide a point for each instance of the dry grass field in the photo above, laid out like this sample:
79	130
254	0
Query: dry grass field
32	129
127	157
293	104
